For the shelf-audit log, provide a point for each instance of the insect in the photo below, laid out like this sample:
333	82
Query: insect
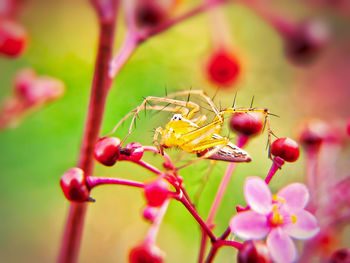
187	129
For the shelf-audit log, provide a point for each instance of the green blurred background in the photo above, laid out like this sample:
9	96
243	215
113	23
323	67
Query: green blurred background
35	154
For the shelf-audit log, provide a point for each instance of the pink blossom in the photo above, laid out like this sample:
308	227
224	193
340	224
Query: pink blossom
280	217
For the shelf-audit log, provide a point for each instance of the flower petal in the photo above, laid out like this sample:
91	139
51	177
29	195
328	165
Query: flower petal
258	195
296	196
249	225
305	226
281	246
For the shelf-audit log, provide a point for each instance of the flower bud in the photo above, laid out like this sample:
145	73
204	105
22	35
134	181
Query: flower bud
340	256
146	253
223	68
248	124
285	148
307	41
131	152
150	213
74	186
253	251
107	150
13	38
156	192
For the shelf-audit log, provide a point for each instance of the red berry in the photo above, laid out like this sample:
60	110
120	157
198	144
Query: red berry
74	186
107	150
223	68
253	252
312	133
308	40
23	82
156	192
146	253
248	124
150	213
131	152
286	148
340	256
348	127
149	13
13	38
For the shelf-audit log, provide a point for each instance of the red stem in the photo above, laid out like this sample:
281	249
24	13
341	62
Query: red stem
241	142
153	230
70	246
197	217
276	165
95	181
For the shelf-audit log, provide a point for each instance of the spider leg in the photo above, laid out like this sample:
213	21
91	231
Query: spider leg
182	107
200	93
155	140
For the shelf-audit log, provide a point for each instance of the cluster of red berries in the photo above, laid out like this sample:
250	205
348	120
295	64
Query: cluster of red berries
108	151
251	124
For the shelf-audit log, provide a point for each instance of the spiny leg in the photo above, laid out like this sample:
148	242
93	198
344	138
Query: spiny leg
199	93
182	109
155	139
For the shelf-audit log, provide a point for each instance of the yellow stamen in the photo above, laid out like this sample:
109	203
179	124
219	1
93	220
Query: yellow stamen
277	218
294	219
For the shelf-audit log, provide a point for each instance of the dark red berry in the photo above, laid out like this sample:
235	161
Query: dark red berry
253	252
340	256
312	133
13	38
150	213
74	186
286	148
131	152
146	253
107	150
248	124
223	68
156	192
307	41
149	13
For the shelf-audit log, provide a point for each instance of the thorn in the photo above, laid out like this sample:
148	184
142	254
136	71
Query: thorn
166	91
189	94
272	133
274	115
251	103
216	92
234	100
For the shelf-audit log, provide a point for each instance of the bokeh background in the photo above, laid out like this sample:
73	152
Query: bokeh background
33	155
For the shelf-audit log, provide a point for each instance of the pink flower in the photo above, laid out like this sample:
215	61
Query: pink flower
279	216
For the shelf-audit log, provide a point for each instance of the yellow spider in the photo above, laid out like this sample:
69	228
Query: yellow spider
189	133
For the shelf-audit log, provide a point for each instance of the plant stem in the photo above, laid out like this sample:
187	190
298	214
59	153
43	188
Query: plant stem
277	164
197	217
154	229
241	142
95	181
70	246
